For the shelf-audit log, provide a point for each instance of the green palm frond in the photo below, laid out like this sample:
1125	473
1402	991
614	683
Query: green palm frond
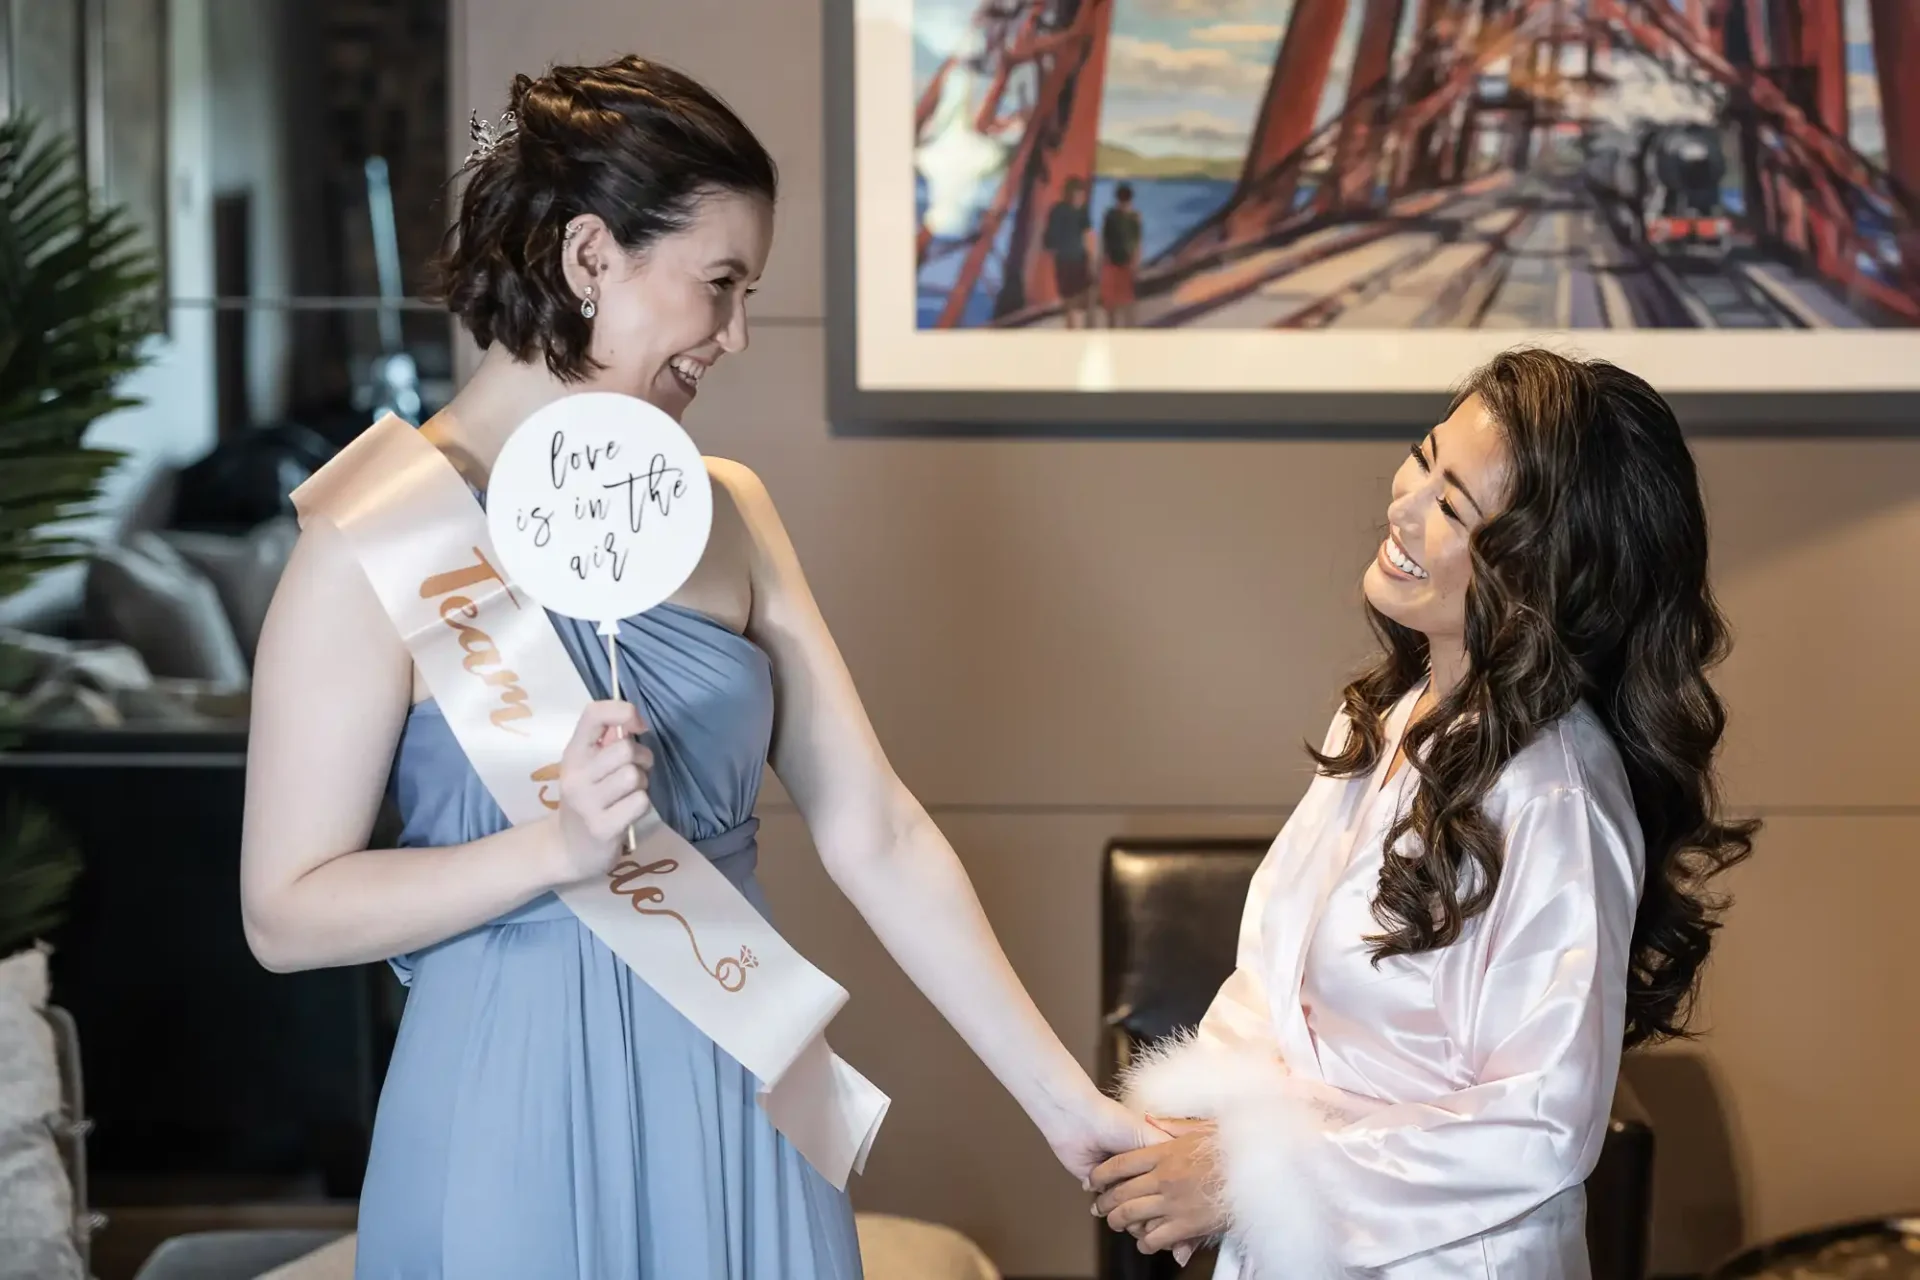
77	302
38	863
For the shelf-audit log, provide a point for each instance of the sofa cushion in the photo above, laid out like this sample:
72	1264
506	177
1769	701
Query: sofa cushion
333	1262
36	1201
284	1254
907	1249
244	571
145	594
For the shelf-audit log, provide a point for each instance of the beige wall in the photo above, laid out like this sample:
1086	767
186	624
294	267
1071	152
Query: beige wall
1063	642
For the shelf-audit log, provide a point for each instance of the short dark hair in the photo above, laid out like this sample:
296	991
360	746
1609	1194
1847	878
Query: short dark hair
1123	192
636	143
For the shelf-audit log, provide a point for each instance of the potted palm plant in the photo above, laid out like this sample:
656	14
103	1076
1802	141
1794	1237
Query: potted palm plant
77	303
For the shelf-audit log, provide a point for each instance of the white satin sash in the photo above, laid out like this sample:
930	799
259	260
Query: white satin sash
512	696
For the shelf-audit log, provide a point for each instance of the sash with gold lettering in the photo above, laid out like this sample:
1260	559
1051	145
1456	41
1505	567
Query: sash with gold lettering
512	696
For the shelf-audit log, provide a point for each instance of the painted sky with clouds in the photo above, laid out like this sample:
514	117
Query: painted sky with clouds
1186	77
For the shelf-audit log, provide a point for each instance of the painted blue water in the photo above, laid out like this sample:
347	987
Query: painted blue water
1169	207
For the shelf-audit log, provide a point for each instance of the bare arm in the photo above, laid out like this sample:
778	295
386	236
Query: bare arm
888	857
332	685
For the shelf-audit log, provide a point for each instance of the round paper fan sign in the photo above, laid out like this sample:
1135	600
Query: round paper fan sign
599	507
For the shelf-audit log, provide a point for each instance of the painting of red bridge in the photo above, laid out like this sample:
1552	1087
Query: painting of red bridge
1417	164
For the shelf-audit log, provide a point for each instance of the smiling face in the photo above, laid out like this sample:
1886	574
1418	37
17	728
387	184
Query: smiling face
1451	483
663	317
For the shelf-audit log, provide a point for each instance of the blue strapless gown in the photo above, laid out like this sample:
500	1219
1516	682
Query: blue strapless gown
546	1114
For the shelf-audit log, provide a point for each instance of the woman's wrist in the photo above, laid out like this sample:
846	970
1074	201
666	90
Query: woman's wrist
549	861
1062	1106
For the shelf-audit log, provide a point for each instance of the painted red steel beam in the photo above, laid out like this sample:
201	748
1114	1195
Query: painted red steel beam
1262	207
930	98
1763	206
1825	231
1759	33
1718	12
1812	34
1286	118
990	120
1059	139
1896	52
968	276
1435	33
1493	43
1074	152
1429	148
1789	120
1357	153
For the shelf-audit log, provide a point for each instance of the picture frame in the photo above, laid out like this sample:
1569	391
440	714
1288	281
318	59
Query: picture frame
1819	370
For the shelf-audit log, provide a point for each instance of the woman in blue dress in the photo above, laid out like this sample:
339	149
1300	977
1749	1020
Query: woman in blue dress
546	1113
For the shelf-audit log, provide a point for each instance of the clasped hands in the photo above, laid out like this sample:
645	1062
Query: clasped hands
1164	1195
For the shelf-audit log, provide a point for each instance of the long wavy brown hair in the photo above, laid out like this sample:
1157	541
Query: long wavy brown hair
1589	584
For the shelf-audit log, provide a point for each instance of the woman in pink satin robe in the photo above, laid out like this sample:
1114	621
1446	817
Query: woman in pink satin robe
1494	881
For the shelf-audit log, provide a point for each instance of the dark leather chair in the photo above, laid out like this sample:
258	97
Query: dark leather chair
1170	918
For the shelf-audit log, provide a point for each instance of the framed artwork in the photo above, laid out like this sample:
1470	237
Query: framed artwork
1314	217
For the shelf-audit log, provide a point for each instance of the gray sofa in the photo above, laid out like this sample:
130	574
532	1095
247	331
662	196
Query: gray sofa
210	1255
288	1253
45	1223
70	1130
48	1225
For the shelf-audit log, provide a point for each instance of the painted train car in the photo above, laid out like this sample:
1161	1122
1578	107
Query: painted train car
1669	182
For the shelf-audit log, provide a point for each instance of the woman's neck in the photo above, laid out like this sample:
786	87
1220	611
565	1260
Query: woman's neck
501	394
1446	666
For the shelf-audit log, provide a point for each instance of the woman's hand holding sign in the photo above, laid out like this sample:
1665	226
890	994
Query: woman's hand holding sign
599	507
603	790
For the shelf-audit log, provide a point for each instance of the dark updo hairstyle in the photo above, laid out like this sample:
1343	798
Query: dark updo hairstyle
634	142
1589	584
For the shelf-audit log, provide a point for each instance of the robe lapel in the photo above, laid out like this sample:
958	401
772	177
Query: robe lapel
1317	861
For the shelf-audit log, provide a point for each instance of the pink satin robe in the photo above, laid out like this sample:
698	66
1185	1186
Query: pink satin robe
1434	1117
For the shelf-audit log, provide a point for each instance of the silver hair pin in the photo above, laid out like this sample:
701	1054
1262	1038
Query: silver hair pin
488	135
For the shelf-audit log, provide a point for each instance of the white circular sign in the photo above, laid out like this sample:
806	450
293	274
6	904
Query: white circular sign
599	506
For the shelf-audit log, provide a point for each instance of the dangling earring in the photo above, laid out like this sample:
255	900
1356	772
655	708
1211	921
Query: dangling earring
586	304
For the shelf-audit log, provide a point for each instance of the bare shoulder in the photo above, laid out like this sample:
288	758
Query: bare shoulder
324	604
741	495
784	617
321	566
739	487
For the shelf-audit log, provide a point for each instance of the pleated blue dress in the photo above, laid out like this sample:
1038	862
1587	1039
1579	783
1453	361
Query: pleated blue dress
545	1113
